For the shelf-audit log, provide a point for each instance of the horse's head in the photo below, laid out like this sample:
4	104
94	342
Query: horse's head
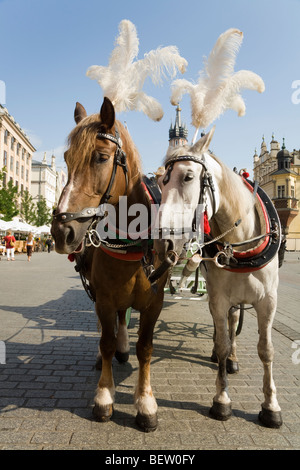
92	158
183	195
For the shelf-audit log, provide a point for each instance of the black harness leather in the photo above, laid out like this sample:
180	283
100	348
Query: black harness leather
256	261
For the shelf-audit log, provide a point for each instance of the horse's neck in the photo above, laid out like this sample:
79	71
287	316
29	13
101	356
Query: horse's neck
236	203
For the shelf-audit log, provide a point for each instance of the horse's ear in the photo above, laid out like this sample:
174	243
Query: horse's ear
79	113
203	144
107	114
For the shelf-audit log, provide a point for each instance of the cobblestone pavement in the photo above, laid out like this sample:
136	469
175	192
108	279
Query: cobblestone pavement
49	333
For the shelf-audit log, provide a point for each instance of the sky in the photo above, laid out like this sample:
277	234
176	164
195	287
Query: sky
48	45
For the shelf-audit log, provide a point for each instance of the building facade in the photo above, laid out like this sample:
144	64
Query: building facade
278	172
43	181
16	152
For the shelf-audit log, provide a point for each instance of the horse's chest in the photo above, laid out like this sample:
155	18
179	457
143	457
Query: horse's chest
236	288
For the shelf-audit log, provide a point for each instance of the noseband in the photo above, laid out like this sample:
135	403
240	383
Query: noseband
119	160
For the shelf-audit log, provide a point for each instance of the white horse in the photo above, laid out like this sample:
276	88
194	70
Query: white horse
242	256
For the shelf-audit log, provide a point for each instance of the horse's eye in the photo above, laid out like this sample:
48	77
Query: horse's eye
99	157
188	177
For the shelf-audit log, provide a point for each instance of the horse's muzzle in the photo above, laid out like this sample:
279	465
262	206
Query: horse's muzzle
68	237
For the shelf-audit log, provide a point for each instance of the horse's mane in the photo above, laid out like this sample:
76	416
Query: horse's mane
81	142
234	190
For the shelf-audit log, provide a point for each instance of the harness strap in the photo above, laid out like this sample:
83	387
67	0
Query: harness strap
119	160
86	213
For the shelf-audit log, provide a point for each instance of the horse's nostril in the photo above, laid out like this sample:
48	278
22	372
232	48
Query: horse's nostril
69	234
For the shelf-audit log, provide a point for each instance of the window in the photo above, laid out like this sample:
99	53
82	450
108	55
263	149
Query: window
292	191
281	191
4	158
12	143
11	163
17	167
22	172
18	148
5	136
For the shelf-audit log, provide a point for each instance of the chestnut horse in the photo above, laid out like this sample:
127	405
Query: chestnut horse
103	166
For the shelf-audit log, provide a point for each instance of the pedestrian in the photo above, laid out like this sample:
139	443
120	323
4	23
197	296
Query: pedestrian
49	244
10	246
29	246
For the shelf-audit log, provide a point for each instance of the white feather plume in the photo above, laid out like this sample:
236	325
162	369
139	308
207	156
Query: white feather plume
123	79
218	87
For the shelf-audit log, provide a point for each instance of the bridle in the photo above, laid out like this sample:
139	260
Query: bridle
119	160
206	184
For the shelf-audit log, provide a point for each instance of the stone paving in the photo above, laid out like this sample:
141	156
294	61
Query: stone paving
47	375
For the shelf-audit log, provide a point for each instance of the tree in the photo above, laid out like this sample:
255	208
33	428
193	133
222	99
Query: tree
28	210
43	215
9	201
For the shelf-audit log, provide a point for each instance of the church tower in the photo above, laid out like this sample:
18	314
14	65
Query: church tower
179	133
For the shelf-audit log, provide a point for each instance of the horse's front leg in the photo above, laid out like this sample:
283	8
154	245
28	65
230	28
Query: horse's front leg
270	414
105	392
232	364
233	320
122	352
221	408
145	402
123	346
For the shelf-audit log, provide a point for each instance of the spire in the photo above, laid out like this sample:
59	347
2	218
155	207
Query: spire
178	133
53	162
44	162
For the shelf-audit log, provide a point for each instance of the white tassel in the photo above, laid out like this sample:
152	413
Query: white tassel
218	87
122	81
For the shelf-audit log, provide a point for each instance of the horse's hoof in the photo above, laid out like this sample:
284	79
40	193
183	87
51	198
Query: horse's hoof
220	411
270	419
122	357
146	423
232	367
103	413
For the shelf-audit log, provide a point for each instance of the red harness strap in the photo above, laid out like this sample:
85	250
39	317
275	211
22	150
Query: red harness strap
256	251
262	246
